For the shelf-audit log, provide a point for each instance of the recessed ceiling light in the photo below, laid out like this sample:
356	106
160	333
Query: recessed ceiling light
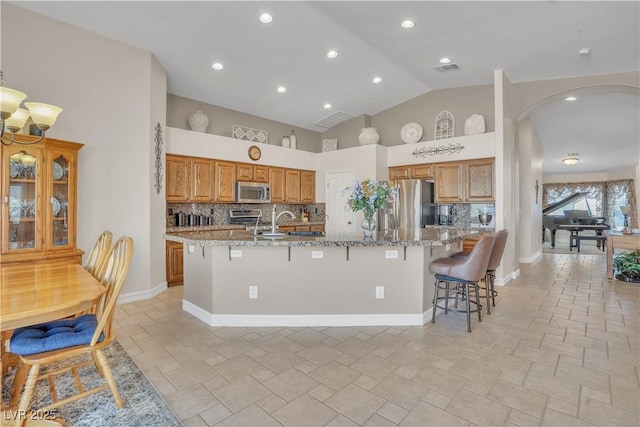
445	61
327	106
281	89
332	54
377	79
570	98
266	18
407	23
217	66
584	51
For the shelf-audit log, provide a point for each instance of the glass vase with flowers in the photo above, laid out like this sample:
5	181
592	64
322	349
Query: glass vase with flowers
368	196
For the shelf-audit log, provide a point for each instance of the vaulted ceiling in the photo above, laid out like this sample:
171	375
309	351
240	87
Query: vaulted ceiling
528	40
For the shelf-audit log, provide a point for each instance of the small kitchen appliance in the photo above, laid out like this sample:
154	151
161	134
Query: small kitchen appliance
253	192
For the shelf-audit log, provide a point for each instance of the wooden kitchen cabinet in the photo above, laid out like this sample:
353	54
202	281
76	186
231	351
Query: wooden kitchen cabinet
244	172
422	171
260	173
39	209
178	185
399	172
224	182
480	180
292	186
174	263
201	188
449	179
307	187
316	227
277	183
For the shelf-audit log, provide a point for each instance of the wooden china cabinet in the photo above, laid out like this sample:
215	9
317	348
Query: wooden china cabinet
38	212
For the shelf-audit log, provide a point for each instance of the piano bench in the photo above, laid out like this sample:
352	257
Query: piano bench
576	238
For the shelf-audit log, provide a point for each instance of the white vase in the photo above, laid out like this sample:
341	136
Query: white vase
368	136
293	140
198	121
286	142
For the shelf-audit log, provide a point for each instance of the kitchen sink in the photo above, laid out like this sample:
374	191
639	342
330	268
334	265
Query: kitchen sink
306	233
270	234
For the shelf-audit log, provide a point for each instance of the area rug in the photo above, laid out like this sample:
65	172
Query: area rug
143	404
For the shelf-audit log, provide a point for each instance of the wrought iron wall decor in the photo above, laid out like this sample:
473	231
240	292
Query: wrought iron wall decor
449	149
158	140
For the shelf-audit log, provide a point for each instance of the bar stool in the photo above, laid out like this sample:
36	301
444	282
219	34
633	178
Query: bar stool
463	272
494	262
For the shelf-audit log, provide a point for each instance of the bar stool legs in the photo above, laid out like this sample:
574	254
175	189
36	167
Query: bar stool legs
460	290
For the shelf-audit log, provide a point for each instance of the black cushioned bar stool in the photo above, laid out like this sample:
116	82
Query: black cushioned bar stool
463	272
494	262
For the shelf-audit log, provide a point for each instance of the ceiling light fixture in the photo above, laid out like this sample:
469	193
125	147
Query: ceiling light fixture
445	61
407	23
377	80
281	89
332	54
584	51
266	18
327	106
13	118
570	98
571	160
217	66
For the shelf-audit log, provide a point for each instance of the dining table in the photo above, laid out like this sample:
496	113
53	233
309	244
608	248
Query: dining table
36	293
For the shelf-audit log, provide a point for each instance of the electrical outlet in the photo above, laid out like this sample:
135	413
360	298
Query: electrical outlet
236	253
379	292
317	254
190	249
253	292
392	254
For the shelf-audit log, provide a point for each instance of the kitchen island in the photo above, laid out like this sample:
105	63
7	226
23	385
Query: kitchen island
233	278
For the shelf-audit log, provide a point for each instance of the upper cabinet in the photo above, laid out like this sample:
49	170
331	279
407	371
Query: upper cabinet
292	186
449	183
252	173
225	180
455	182
480	180
201	180
277	183
39	187
307	187
178	178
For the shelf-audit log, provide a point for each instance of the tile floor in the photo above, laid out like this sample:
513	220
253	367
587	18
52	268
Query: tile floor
561	348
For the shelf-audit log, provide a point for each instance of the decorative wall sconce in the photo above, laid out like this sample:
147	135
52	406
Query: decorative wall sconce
13	118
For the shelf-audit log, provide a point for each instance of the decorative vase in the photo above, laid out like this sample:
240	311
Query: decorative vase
368	136
368	226
293	140
198	121
286	142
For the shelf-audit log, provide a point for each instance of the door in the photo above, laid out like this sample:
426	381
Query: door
307	187
449	187
201	180
340	219
480	181
59	213
177	188
292	186
225	180
276	181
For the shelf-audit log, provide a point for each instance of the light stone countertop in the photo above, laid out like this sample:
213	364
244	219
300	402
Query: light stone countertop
214	227
432	236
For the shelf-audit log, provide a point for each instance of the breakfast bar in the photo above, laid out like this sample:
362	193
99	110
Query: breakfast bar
236	278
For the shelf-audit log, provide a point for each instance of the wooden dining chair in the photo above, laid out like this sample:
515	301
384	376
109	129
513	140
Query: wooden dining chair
53	342
99	253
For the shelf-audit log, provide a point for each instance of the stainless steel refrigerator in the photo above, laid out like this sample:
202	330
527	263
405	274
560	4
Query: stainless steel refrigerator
414	207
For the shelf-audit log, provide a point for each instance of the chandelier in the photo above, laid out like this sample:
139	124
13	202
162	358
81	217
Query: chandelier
13	118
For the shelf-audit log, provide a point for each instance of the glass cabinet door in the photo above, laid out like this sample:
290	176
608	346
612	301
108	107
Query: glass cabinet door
24	194
60	166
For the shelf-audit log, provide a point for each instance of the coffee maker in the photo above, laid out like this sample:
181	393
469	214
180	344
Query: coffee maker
445	215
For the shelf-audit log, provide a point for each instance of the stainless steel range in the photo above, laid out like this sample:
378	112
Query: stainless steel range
249	218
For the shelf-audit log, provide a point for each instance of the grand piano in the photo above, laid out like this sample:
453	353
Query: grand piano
573	220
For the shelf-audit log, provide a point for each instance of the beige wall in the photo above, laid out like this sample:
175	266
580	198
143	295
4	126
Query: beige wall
221	121
530	207
347	132
110	100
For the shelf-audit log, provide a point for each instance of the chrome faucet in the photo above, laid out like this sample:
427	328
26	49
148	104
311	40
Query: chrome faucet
255	229
274	218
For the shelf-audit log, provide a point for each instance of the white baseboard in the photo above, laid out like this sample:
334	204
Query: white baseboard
502	281
308	320
532	258
142	295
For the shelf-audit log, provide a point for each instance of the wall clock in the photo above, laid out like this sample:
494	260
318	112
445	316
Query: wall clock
254	152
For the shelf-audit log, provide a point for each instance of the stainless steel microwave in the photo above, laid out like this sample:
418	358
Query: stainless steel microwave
253	192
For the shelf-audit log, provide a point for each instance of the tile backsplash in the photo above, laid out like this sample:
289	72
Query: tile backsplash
220	211
465	214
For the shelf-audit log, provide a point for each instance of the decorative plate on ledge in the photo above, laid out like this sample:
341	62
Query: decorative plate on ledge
410	133
250	134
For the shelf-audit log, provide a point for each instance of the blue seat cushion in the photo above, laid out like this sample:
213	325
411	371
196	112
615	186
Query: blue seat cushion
54	335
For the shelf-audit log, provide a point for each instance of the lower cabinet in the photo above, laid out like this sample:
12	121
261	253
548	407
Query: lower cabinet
174	263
